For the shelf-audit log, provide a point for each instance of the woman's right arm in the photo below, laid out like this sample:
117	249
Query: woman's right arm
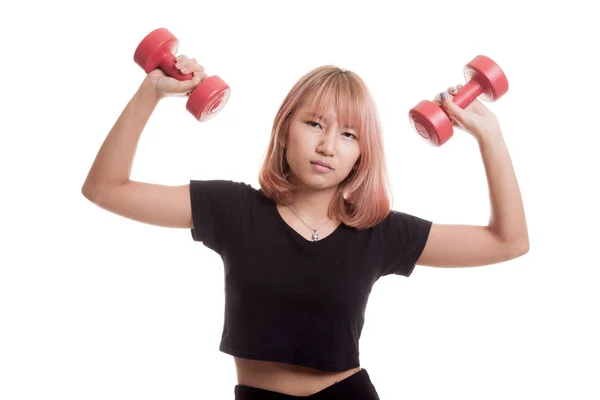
108	184
160	205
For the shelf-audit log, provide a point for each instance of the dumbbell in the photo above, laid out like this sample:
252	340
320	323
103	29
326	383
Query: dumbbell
484	79
157	50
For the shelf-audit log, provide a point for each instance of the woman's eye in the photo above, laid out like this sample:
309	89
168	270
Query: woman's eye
315	124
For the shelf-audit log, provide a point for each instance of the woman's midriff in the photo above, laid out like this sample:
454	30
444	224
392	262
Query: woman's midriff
286	378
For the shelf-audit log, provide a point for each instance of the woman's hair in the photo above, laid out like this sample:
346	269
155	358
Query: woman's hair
363	198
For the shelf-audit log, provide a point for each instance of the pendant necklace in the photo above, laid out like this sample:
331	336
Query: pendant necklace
315	235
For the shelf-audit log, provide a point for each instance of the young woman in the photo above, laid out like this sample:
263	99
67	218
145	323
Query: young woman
302	253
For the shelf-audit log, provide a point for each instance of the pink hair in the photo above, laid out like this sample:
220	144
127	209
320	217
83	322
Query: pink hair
363	198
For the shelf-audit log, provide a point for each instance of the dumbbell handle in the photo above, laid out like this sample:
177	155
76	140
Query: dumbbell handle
467	93
167	64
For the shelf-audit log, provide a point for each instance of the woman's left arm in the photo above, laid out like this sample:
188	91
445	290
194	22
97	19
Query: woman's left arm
506	236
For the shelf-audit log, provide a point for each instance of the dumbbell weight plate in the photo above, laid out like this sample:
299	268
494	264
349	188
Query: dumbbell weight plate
208	98
159	46
431	122
489	75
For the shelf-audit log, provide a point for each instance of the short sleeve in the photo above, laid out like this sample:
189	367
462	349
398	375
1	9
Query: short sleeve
219	208
404	238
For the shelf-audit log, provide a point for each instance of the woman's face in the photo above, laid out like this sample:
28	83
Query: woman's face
314	139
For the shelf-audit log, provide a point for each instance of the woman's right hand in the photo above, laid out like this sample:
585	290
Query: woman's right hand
166	86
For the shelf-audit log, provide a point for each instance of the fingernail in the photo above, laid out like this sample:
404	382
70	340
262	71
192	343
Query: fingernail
443	95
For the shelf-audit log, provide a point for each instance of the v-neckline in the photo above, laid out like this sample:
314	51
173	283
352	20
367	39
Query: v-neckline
298	236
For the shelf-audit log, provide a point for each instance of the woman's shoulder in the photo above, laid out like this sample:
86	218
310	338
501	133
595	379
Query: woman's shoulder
245	189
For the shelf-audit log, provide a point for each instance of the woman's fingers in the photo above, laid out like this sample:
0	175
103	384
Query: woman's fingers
188	65
451	91
454	89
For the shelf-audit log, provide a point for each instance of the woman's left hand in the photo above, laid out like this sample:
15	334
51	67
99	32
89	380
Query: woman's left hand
475	119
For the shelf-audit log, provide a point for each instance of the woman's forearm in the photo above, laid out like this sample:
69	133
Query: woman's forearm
507	220
114	160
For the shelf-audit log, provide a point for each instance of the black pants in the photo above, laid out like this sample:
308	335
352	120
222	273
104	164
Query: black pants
355	387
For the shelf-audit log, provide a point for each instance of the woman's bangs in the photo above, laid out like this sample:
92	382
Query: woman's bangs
339	95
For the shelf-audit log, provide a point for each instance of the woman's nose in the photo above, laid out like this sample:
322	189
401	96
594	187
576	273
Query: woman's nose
327	144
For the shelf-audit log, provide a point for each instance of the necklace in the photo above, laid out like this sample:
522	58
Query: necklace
315	235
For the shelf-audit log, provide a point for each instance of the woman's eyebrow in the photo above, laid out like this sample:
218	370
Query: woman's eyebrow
314	114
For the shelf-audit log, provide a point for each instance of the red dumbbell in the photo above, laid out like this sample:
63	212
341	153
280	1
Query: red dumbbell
484	78
157	50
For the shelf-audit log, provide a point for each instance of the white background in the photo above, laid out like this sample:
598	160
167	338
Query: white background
94	306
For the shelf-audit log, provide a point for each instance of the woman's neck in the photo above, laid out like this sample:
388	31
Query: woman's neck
313	206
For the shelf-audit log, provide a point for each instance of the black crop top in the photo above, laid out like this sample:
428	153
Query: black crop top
288	299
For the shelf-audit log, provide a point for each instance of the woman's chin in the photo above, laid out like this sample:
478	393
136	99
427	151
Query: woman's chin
316	182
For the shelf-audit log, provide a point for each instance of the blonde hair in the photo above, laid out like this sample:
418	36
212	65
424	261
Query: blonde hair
363	198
